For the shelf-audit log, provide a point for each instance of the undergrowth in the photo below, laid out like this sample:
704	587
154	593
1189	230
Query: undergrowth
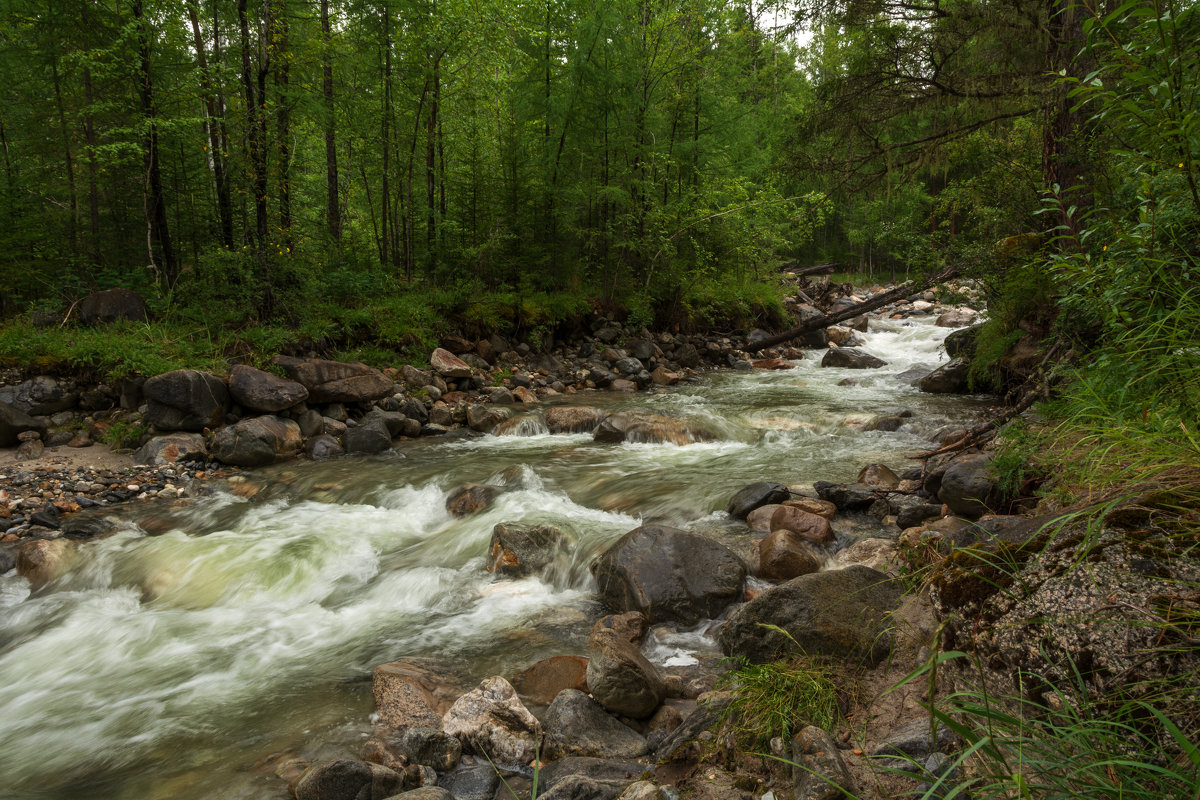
778	699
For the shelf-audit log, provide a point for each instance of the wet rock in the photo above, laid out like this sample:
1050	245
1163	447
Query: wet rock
822	508
261	391
967	485
336	381
878	475
843	613
186	400
483	418
171	449
573	419
471	498
431	747
646	428
949	378
618	675
585	778
772	363
957	318
111	305
347	779
754	496
480	782
41	396
372	436
669	574
783	555
847	497
411	693
323	447
492	720
707	714
542	682
760	518
576	725
448	365
517	550
878	554
501	396
804	525
912	514
961	342
257	442
818	772
851	358
40	561
661	376
426	793
687	356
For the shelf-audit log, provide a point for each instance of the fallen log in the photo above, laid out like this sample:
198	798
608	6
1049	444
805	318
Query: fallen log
816	269
899	293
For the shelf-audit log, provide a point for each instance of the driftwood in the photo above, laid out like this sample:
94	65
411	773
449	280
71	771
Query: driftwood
899	293
816	269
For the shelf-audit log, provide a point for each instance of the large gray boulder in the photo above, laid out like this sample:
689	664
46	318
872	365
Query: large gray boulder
348	779
576	725
14	421
755	496
337	381
40	396
492	721
618	675
519	550
257	442
172	448
949	378
851	358
586	778
670	575
186	400
968	486
261	391
372	436
842	613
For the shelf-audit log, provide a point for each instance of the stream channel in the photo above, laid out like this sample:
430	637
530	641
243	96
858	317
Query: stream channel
175	656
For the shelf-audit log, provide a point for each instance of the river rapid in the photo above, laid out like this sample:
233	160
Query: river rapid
176	656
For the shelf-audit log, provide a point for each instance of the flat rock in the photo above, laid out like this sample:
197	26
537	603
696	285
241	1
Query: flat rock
336	381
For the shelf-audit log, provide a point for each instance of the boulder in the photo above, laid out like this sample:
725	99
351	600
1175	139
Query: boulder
492	720
336	381
448	365
186	400
480	782
822	508
957	318
372	436
967	485
322	447
847	497
961	342
783	555
172	448
708	713
618	675
347	779
818	772
949	378
14	422
585	778
802	524
878	475
881	555
851	358
576	725
772	364
754	496
431	747
425	793
760	518
41	396
483	418
40	561
257	442
413	693
519	550
542	682
806	312
573	419
111	305
470	498
261	391
668	574
644	427
843	613
414	378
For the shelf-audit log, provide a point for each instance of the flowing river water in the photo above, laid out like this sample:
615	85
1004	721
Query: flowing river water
177	655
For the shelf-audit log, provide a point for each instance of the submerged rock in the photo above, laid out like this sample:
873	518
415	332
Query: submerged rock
471	499
519	550
646	428
851	358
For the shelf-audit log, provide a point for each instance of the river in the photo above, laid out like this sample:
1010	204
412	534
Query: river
178	654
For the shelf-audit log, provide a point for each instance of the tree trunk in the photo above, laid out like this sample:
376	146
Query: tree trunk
156	206
283	118
332	209
72	196
215	145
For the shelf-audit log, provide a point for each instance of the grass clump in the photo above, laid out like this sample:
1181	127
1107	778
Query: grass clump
778	699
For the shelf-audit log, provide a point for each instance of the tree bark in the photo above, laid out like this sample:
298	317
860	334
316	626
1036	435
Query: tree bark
283	118
156	206
216	150
333	210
